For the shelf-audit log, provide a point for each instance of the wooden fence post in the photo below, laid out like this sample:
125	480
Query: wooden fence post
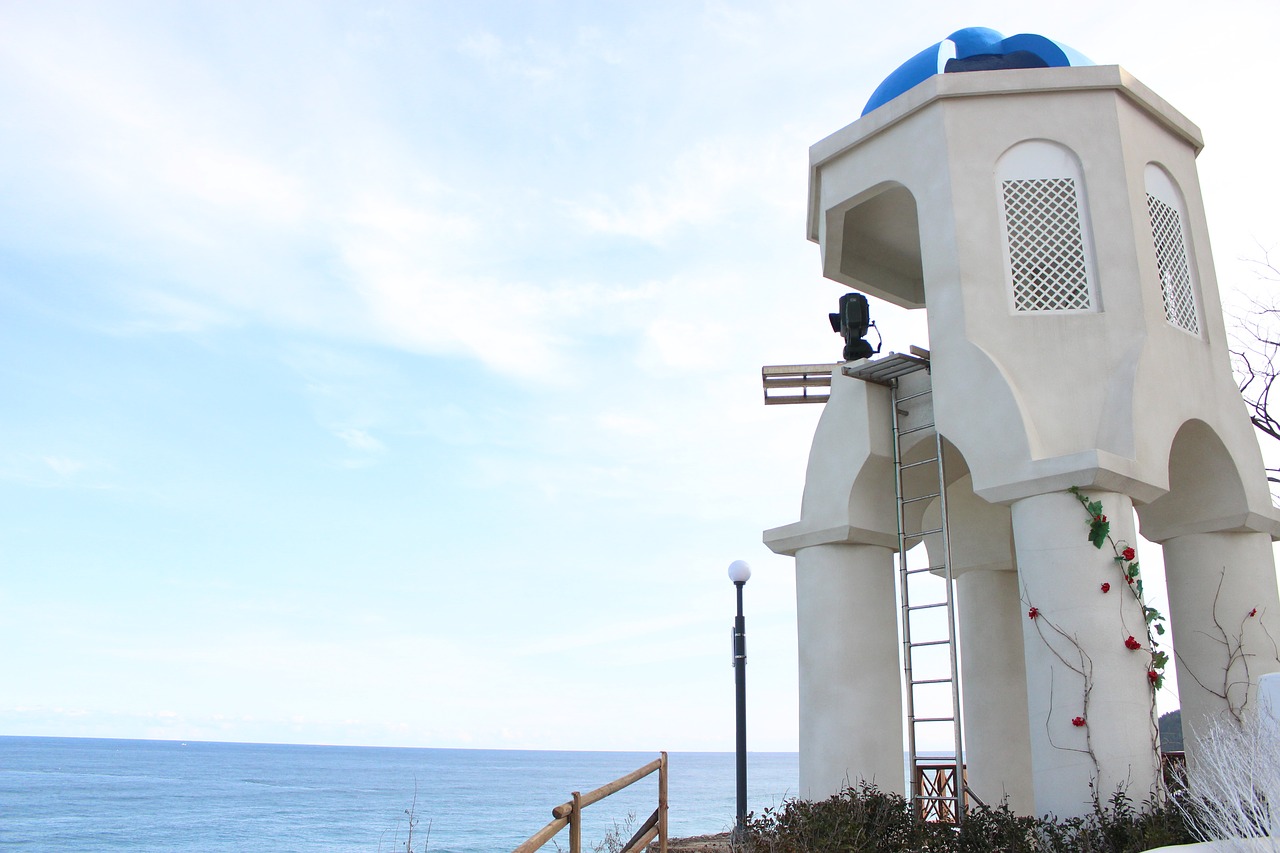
662	804
575	824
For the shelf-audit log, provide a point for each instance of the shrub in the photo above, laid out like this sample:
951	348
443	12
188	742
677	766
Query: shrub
867	820
1236	779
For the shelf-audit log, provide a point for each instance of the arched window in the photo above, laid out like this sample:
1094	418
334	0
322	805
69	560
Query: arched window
1048	248
1173	262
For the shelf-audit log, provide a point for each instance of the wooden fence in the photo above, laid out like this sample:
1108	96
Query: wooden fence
570	814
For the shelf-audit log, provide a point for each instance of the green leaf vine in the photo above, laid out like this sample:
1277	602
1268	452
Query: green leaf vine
1126	562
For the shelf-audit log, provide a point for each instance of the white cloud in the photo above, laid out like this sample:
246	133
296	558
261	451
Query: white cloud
358	439
710	183
64	466
158	311
483	45
534	61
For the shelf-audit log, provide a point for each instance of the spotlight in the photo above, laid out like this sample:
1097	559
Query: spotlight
852	322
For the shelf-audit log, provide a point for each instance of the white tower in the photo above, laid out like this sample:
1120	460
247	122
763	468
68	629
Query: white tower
1049	221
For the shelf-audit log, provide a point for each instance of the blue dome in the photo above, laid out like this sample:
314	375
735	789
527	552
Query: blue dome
975	49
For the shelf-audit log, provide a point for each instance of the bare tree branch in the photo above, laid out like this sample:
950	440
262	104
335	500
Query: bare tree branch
1255	356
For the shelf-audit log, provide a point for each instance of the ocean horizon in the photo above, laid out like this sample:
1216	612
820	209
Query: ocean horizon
98	795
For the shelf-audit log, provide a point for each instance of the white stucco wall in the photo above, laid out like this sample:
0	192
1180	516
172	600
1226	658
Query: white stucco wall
907	203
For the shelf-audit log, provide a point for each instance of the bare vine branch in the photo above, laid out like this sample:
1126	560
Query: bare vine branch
1084	670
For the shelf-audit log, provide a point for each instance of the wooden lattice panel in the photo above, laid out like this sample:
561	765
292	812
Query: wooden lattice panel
1171	260
1046	245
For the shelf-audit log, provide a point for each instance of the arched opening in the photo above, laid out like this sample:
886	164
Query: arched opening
1220	576
873	245
1205	489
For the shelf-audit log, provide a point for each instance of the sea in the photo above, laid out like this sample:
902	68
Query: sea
101	796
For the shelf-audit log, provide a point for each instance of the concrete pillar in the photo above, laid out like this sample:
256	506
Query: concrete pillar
993	676
1269	695
1078	666
993	679
1216	581
850	680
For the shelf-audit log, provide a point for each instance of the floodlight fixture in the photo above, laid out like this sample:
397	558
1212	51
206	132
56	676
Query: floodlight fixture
852	322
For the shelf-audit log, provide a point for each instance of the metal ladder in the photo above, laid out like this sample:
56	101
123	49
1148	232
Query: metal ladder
938	801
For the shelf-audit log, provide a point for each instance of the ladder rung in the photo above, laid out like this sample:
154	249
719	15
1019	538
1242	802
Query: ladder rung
927	606
939	802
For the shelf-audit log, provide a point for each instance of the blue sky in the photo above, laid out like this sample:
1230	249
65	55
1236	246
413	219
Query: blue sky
388	373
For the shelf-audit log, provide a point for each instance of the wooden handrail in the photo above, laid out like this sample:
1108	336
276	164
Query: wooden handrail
642	835
613	787
542	836
570	814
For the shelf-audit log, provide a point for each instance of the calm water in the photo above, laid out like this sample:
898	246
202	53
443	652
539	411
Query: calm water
93	796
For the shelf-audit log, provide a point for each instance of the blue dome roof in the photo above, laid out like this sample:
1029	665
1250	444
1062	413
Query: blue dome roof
974	49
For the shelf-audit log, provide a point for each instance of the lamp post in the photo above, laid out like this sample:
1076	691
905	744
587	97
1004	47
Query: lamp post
739	572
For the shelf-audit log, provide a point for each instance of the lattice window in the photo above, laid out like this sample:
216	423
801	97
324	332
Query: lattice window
1171	261
1046	245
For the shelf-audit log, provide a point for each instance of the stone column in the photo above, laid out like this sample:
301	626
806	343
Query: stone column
850	679
993	676
997	750
1225	619
1077	663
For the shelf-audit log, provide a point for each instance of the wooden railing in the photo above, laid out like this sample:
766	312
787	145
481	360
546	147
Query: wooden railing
936	782
802	376
1173	769
570	814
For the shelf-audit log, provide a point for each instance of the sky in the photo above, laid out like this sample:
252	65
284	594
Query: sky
389	373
